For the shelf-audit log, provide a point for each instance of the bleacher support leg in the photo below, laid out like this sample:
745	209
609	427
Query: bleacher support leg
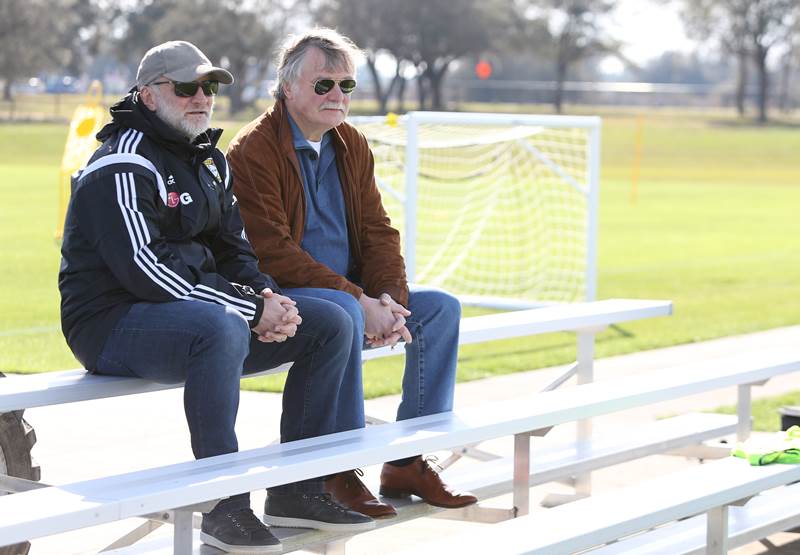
182	535
335	548
717	531
744	412
585	374
522	471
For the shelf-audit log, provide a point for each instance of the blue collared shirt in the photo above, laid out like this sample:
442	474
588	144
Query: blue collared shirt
325	233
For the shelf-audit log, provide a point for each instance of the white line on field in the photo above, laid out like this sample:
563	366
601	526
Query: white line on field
29	331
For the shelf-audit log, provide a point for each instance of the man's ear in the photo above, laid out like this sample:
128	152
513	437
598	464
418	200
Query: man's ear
146	94
287	90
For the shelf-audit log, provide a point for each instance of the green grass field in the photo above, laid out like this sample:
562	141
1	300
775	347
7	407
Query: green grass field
766	417
713	226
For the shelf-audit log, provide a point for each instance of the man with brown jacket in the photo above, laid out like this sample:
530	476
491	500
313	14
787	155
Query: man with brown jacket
313	213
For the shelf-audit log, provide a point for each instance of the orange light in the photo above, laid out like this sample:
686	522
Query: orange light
483	69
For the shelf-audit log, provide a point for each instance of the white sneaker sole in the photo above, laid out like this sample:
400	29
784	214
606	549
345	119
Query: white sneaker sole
289	522
211	540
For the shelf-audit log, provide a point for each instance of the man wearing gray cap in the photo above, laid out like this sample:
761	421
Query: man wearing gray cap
158	281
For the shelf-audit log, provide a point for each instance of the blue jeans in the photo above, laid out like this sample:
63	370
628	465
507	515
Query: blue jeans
430	373
208	347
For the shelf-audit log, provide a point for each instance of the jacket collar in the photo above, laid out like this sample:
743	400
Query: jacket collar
286	140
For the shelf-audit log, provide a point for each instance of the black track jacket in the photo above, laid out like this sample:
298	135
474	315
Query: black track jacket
152	218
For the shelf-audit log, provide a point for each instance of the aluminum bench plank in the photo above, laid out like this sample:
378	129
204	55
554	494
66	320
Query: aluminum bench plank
768	513
493	478
52	388
489	479
550	464
614	514
197	481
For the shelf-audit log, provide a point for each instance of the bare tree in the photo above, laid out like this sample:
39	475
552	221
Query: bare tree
428	35
747	29
575	31
789	60
241	35
40	35
373	27
769	23
445	32
736	43
725	21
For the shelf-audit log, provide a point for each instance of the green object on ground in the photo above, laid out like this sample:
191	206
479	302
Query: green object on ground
779	448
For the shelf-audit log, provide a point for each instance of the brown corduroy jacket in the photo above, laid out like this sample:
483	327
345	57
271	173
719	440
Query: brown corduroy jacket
269	187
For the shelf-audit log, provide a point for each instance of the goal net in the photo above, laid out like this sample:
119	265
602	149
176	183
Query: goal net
498	209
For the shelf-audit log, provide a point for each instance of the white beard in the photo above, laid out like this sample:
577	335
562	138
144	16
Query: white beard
174	117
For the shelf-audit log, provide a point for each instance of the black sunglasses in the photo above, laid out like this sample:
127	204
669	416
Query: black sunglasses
324	86
189	88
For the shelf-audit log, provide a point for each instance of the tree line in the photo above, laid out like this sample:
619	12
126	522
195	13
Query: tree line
421	40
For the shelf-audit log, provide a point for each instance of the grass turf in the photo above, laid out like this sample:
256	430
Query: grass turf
712	226
766	417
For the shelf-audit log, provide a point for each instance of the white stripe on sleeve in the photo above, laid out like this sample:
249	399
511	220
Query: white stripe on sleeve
163	276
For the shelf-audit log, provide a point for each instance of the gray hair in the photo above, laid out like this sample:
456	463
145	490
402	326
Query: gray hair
339	52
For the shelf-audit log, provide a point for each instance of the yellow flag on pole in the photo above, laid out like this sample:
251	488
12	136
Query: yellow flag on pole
89	117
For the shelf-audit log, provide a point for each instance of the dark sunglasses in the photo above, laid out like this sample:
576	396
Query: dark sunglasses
324	86
210	88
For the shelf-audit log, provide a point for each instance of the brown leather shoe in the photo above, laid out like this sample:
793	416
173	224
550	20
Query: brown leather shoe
349	490
423	481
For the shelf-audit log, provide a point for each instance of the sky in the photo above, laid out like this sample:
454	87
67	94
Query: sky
648	29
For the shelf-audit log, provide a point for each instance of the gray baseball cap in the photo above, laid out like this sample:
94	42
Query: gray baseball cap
180	61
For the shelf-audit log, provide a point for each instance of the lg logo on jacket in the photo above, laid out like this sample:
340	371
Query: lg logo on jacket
173	199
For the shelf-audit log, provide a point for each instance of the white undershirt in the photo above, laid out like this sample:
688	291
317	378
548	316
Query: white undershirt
316	145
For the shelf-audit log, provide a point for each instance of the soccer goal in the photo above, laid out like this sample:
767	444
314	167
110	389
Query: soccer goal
499	209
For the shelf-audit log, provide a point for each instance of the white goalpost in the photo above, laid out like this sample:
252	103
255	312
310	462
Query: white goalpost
499	209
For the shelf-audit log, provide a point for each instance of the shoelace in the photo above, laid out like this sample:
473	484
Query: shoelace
328	499
427	466
246	521
432	461
353	479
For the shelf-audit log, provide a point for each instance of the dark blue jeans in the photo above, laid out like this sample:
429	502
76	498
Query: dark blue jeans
208	348
430	372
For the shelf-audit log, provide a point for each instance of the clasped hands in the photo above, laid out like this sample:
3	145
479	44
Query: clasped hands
279	320
384	320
